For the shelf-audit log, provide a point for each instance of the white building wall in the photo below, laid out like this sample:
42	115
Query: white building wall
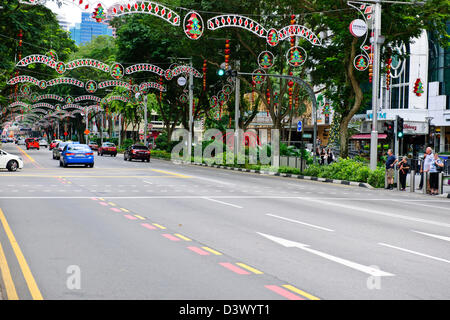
418	69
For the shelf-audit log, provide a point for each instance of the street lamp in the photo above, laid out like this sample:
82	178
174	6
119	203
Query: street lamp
428	135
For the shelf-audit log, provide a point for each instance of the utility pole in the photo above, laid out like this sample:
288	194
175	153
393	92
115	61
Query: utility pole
120	128
101	128
191	107
237	107
87	124
145	121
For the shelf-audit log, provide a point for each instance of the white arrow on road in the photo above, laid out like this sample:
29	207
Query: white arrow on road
292	244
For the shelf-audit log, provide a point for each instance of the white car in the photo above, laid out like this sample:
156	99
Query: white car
43	143
10	161
21	141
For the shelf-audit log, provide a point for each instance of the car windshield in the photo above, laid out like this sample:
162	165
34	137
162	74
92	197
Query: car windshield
78	147
140	147
108	144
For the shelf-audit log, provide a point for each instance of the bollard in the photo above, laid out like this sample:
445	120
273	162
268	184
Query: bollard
385	181
397	179
425	183
441	184
412	182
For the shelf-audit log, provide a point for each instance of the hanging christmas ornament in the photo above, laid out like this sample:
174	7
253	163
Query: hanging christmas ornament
418	87
204	75
161	84
326	110
370	67
99	13
223	98
91	86
60	67
227	89
290	91
227	54
296	56
69	100
268	96
193	25
117	70
266	59
168	75
52	55
361	62
272	37
42	84
26	90
183	99
213	102
388	72
260	76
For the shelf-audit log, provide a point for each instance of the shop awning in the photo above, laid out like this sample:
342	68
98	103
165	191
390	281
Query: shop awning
363	136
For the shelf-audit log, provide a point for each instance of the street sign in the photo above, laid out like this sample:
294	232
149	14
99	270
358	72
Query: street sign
299	126
141	137
358	28
141	131
181	81
85	132
66	134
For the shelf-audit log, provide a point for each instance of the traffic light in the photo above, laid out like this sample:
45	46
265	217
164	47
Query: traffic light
399	127
221	72
389	129
229	73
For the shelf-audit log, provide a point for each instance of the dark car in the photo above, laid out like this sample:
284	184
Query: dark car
58	149
93	146
137	152
107	148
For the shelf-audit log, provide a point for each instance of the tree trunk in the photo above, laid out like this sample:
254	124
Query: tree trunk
343	136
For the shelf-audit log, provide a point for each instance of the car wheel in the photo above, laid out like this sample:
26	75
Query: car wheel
28	148
91	165
65	164
38	148
12	165
60	163
148	160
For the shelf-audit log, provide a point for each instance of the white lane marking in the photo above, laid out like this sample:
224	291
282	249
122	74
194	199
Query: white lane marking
147	182
414	252
433	235
225	203
392	215
421	204
292	244
299	222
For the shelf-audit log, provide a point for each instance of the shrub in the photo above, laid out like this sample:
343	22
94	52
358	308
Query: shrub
376	178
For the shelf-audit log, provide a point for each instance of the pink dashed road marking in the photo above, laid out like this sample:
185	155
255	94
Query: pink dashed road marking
130	217
103	203
199	251
284	293
170	237
233	268
95	199
115	209
148	226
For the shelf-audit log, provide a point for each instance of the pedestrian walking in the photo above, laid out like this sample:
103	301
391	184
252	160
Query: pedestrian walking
322	156
330	156
429	157
403	169
390	163
435	168
421	173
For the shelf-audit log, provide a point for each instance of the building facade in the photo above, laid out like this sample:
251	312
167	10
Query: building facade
88	29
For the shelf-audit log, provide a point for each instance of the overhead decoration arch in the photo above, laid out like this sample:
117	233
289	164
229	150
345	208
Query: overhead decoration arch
39	110
140	67
87	97
151	85
47	97
18	104
238	21
70	81
299	31
79	63
116	98
114	83
36	58
186	69
43	105
145	7
72	106
22	79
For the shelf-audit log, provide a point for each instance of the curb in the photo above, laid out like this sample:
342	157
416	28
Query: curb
289	175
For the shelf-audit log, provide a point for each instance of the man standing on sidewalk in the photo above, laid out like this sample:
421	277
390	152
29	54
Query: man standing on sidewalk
428	160
390	163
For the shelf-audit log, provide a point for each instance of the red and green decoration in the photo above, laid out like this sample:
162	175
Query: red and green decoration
296	56
117	71
91	86
388	72
260	76
227	54
99	13
52	55
266	59
227	89
193	25
183	99
60	67
213	102
168	75
204	74
418	87
361	62
42	84
272	37
223	98
69	100
326	110
26	90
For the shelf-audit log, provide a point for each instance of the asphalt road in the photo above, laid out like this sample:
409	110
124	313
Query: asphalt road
135	230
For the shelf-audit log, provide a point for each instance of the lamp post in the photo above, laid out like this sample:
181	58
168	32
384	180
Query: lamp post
427	140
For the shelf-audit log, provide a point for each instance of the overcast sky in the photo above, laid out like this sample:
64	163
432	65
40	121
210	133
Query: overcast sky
72	13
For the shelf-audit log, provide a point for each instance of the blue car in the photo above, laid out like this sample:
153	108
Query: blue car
76	154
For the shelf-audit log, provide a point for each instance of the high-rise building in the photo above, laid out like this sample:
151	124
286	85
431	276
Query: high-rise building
88	29
63	23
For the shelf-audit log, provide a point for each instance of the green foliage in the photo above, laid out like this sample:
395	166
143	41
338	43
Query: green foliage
160	154
376	178
126	143
162	143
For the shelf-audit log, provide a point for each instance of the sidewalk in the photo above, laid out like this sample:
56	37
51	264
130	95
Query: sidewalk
446	187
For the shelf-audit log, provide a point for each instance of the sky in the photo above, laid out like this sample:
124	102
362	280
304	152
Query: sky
72	13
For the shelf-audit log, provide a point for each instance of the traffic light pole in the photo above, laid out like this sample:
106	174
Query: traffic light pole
145	121
237	108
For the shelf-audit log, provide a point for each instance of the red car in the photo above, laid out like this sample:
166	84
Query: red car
137	152
32	143
107	148
53	144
